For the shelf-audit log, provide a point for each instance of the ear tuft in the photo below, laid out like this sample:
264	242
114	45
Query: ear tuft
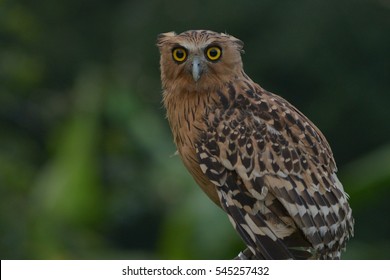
163	37
239	44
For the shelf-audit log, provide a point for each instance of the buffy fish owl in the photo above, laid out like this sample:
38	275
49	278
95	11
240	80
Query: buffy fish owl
253	153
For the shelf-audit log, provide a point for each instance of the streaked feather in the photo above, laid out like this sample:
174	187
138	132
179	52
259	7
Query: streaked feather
253	153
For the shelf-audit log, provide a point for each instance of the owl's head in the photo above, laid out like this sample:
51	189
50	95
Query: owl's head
198	59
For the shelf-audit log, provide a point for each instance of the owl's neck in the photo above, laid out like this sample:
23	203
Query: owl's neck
185	113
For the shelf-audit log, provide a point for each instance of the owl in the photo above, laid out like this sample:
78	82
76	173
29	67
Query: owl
253	153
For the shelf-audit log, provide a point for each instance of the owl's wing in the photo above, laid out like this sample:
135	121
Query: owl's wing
275	177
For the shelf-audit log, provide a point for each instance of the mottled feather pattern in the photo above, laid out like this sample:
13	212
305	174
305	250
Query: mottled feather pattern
297	168
258	157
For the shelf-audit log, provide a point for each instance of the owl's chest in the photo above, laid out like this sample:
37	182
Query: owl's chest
188	122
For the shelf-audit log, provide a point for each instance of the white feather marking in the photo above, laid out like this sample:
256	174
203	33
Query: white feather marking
203	155
257	195
203	167
313	210
323	230
310	231
272	130
324	210
225	162
249	231
281	174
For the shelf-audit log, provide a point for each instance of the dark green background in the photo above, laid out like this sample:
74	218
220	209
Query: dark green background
86	165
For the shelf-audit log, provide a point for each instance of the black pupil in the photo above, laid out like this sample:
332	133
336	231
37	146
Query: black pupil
179	54
213	52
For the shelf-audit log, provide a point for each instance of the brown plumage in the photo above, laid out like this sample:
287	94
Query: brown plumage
253	153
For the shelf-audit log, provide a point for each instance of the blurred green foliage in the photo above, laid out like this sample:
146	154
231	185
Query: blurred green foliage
86	157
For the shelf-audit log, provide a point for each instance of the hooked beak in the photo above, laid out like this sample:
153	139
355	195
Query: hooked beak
196	68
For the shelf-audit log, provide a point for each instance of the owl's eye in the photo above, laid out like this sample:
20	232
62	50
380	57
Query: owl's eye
179	54
213	53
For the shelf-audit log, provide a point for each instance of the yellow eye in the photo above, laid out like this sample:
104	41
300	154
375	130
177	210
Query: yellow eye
213	53
179	54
